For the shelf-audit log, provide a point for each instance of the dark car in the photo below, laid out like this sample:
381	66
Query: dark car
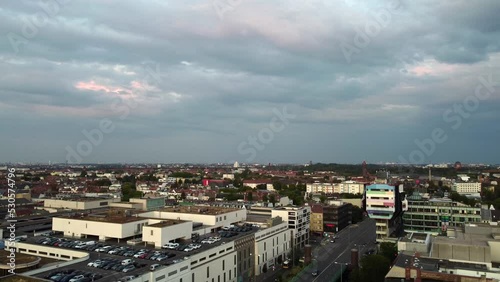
95	276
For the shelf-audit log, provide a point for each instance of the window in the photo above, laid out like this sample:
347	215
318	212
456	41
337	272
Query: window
223	264
229	274
208	272
151	232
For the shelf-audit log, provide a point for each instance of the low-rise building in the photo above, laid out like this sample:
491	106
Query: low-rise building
80	203
466	188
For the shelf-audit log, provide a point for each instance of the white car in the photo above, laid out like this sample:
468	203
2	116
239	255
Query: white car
92	263
77	278
188	249
139	254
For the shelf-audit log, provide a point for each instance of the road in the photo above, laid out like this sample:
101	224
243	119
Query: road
332	256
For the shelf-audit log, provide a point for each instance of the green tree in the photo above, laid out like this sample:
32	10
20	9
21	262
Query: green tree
129	191
389	250
272	199
265	198
357	214
250	196
322	198
277	186
183	195
374	268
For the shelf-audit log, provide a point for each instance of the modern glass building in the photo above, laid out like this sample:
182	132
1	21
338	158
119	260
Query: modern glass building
434	215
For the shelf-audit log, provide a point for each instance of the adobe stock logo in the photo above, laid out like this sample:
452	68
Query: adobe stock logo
265	135
454	116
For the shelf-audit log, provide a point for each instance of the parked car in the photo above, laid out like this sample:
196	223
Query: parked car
136	255
92	263
77	278
128	268
170	246
127	261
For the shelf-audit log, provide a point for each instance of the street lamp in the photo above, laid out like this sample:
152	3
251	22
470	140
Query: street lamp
341	269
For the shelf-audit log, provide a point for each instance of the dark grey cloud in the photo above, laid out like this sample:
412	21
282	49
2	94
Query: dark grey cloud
203	85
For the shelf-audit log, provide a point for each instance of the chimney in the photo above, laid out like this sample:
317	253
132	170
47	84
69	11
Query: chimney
407	274
307	254
354	258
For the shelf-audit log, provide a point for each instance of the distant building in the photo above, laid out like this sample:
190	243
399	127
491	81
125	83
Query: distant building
465	188
383	203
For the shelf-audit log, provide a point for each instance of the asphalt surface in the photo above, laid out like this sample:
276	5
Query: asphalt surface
111	275
330	257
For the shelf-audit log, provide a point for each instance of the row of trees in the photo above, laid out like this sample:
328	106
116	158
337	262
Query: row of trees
374	268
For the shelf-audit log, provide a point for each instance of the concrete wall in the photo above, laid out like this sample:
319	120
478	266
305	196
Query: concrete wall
49	252
271	243
445	250
159	236
79	228
220	220
78	205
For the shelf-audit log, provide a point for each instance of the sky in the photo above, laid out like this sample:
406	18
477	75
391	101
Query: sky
250	81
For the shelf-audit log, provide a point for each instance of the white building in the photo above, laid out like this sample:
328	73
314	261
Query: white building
298	219
467	187
351	187
228	176
114	225
271	246
327	188
79	203
158	234
211	218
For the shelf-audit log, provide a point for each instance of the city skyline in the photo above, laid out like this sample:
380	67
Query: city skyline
254	82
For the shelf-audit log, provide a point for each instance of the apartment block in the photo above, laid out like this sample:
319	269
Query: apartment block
383	203
435	215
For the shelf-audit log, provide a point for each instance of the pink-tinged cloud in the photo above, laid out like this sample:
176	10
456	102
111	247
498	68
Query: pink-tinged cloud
93	86
433	68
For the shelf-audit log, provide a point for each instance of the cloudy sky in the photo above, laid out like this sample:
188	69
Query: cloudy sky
247	80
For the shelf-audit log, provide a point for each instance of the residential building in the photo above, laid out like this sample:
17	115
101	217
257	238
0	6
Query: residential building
327	188
435	215
271	245
465	188
383	203
336	217
317	219
299	219
351	187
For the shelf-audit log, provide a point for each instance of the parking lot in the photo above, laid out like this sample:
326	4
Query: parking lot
106	257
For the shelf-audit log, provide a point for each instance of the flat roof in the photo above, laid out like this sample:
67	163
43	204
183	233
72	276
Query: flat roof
80	199
165	223
462	238
112	216
209	210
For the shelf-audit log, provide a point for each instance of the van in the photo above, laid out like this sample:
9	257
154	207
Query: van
127	261
153	267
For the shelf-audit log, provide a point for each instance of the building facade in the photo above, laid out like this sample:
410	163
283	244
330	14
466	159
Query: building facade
336	218
384	205
465	188
299	220
434	216
317	219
